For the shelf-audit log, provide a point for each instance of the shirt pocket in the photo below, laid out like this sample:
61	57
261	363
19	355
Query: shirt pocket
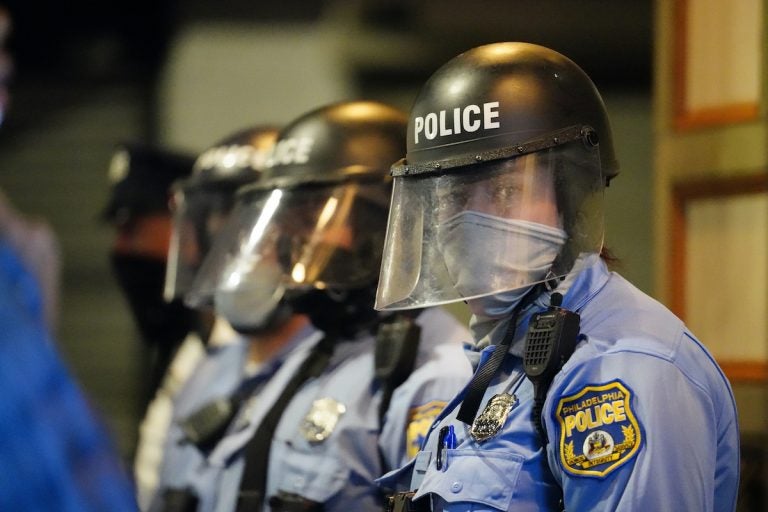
475	476
316	478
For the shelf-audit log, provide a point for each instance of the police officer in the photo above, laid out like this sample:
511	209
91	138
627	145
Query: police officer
200	202
589	394
140	177
328	416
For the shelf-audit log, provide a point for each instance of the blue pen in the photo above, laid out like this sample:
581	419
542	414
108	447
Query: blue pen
446	440
450	438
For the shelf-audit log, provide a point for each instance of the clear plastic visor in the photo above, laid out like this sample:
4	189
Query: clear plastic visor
325	236
198	215
491	227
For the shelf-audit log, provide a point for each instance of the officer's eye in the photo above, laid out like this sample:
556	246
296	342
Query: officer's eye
502	194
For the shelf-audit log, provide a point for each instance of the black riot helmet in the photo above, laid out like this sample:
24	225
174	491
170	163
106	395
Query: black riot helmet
509	148
504	95
312	227
140	177
202	202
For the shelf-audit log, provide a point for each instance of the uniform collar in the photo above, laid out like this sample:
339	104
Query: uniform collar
578	288
270	366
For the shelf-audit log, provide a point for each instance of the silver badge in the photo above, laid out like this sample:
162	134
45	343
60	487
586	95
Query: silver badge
490	421
319	423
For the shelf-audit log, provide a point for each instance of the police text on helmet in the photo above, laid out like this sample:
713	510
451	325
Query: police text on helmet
291	151
231	157
469	118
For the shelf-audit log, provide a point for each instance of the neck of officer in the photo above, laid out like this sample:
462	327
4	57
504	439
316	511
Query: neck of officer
265	345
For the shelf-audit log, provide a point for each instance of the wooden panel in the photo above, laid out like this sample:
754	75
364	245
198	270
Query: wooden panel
719	269
717	62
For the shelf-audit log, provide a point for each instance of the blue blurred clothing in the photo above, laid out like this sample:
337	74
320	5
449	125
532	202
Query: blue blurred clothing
338	472
20	285
54	453
639	418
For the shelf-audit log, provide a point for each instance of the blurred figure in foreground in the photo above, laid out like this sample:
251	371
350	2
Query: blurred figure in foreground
35	244
56	453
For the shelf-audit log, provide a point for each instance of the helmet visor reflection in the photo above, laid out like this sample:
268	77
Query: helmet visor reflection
198	215
491	227
327	236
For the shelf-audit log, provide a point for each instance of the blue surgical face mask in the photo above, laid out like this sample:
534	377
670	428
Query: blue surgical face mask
498	305
494	261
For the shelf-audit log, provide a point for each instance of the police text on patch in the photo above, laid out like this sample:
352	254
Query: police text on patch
594	412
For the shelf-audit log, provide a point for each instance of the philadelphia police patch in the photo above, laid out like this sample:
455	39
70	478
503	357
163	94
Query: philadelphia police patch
419	420
598	429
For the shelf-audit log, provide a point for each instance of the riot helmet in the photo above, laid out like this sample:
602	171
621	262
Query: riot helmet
140	178
202	202
509	149
311	229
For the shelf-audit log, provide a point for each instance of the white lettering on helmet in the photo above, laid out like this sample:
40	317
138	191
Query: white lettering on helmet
430	126
469	118
490	112
291	151
418	126
470	126
231	158
457	120
444	130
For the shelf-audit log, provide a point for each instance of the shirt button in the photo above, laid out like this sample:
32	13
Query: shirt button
456	487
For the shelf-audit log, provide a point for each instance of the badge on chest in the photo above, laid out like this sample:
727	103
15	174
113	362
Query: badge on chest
489	422
321	420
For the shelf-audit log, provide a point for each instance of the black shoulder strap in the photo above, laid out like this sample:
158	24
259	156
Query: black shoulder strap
397	345
207	425
485	374
253	484
551	340
549	343
482	378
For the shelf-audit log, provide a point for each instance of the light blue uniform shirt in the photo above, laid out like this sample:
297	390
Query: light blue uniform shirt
639	418
340	471
218	375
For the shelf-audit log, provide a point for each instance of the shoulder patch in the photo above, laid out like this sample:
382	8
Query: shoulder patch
419	420
598	429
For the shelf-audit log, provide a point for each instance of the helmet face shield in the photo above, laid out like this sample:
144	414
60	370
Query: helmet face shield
319	236
198	215
490	227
